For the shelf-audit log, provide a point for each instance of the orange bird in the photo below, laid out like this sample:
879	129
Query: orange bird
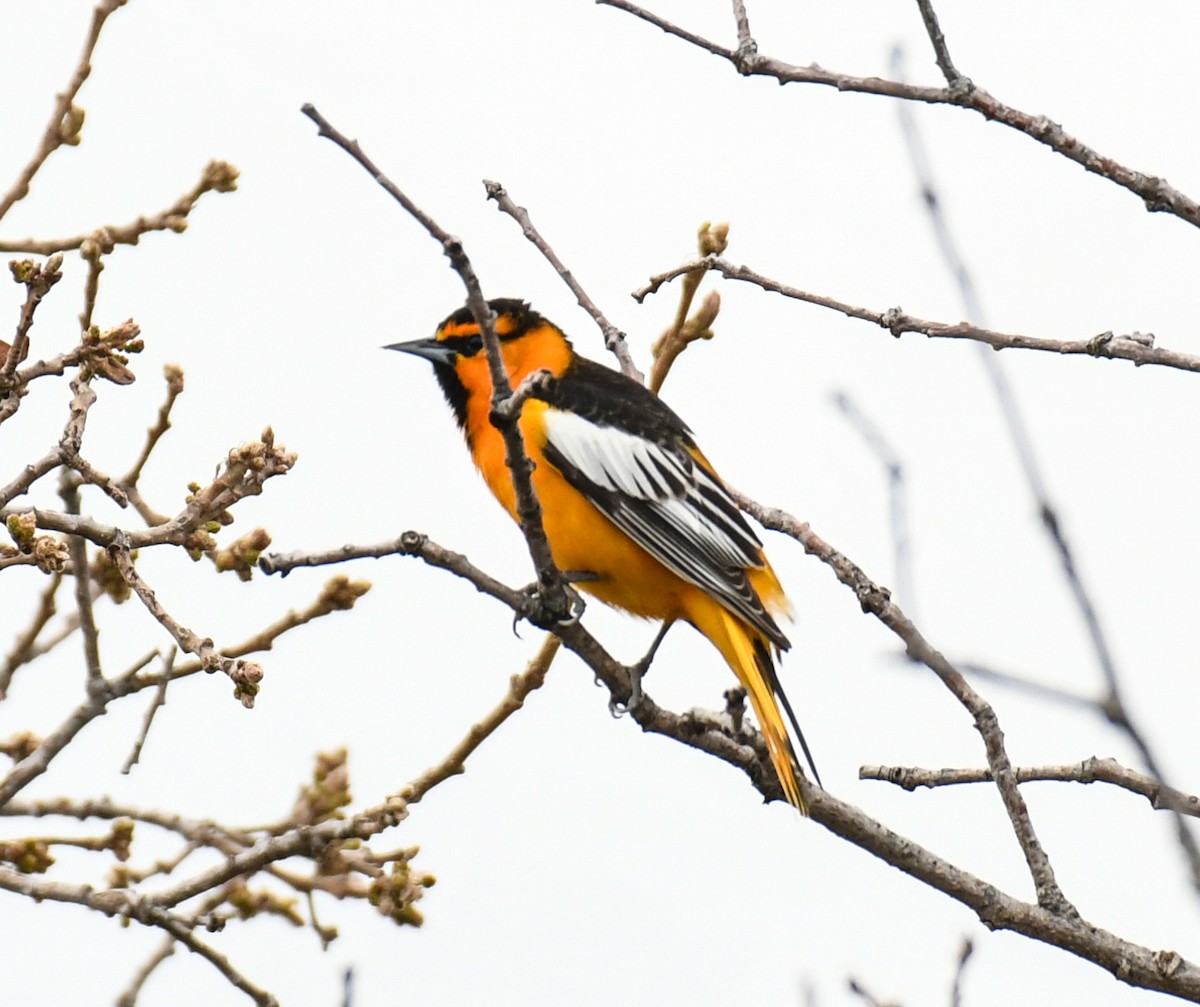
627	500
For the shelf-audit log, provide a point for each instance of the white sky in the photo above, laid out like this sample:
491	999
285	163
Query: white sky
578	860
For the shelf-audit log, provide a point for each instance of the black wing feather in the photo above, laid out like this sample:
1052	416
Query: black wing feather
680	512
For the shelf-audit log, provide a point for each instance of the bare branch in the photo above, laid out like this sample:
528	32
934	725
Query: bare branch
83	596
173	374
128	997
244	473
1157	194
520	686
683	331
1091	770
1136	347
531	387
22	651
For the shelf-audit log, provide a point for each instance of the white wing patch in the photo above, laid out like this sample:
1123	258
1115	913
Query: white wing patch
612	458
663	500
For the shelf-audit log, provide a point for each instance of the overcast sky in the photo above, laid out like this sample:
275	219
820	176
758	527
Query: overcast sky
580	861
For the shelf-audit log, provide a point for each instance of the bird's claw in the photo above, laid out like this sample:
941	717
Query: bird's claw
575	602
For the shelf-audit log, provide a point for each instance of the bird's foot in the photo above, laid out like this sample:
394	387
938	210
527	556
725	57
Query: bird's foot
637	672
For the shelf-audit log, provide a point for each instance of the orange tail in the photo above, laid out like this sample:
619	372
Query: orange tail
747	653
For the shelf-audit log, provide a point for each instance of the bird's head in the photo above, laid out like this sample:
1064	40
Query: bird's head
528	343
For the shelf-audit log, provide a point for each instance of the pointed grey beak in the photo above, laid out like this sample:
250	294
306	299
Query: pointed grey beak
430	349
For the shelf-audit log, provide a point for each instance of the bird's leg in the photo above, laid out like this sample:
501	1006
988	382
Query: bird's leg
570	578
638	671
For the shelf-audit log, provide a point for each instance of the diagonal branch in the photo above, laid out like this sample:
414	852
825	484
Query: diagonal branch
941	51
551	587
877	601
66	120
614	338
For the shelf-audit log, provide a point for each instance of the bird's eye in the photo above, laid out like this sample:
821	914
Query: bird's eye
471	346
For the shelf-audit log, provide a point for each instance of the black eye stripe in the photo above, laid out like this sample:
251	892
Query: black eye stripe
464	346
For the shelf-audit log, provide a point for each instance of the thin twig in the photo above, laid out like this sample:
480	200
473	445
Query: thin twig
217	176
184	936
1135	347
22	650
174	378
941	51
81	571
160	699
519	688
245	472
128	997
66	120
91	286
614	339
1029	685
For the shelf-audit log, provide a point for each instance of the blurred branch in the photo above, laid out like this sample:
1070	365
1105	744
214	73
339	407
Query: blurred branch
1092	770
1029	685
886	455
128	998
1136	347
614	338
1113	705
22	650
964	956
1157	195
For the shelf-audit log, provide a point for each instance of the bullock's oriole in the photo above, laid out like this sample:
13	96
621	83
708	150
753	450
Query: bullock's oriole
627	500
